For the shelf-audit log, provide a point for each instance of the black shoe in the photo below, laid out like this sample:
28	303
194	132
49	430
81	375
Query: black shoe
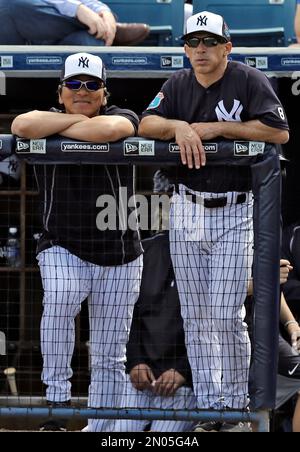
207	427
55	425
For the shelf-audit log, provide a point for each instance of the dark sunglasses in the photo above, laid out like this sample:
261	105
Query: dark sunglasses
208	41
90	85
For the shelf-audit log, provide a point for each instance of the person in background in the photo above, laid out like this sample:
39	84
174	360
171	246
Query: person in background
297	22
288	358
289	346
65	22
291	252
188	9
81	257
157	363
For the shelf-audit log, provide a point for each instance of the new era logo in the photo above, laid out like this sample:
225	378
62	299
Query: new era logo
142	148
248	148
241	149
250	61
131	148
22	147
166	61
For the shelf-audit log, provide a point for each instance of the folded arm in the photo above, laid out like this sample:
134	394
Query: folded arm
39	124
189	136
100	129
249	130
189	142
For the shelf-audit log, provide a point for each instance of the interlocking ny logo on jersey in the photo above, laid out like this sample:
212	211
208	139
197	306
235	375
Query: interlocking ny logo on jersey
84	62
202	21
233	115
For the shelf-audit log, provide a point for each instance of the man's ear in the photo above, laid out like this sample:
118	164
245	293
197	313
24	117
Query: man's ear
228	48
105	98
186	50
59	90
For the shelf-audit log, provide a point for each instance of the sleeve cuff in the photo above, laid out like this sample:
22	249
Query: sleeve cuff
97	7
103	8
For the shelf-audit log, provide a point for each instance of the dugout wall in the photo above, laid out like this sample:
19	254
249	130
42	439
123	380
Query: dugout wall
266	185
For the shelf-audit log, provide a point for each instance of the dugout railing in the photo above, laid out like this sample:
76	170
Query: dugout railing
266	186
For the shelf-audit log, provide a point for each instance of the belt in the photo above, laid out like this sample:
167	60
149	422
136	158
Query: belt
212	203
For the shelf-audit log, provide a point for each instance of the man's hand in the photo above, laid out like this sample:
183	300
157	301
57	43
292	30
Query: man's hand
207	130
141	377
285	268
168	383
110	25
191	148
96	25
294	332
295	340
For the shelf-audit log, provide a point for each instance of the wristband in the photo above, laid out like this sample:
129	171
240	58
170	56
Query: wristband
289	322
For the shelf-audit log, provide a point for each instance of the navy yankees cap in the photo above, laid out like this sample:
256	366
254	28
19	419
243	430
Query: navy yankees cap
83	64
209	22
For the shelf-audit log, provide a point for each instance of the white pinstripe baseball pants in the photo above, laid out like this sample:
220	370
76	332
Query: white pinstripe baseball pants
183	399
112	291
211	250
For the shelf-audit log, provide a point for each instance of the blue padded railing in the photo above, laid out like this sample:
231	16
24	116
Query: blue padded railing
137	150
261	417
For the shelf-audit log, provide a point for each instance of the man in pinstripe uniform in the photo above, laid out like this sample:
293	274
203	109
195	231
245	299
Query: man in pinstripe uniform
76	259
211	213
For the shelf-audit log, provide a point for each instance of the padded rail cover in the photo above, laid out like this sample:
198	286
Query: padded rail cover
133	150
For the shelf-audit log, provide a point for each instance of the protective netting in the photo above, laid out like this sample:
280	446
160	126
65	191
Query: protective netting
183	312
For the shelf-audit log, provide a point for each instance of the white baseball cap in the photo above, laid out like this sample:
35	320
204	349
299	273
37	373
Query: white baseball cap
83	64
209	22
